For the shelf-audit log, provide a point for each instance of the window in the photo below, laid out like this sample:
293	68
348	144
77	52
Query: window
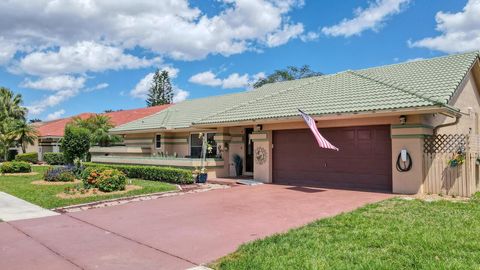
196	145
158	141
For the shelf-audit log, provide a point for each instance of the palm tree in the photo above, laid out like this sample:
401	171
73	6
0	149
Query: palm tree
11	105
11	111
98	125
25	134
7	136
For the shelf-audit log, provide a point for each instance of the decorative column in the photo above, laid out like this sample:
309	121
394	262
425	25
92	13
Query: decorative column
262	156
411	138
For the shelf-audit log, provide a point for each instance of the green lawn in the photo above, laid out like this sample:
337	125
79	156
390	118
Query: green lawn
21	187
393	234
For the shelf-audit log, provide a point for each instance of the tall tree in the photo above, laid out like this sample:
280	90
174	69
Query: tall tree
11	113
11	105
160	91
7	136
98	126
287	74
25	134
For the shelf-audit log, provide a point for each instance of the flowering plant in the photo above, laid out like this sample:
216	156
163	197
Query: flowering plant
457	160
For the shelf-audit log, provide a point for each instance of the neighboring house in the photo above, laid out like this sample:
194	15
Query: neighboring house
370	114
51	132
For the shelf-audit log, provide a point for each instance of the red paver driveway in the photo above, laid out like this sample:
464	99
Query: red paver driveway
169	233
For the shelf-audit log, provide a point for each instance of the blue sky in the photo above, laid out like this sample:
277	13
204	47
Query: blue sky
86	56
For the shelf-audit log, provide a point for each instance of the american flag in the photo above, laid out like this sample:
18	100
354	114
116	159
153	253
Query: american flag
322	142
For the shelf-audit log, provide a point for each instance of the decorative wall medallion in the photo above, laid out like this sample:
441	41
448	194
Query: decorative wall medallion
260	155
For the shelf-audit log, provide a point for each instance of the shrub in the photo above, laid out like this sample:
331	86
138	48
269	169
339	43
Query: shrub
90	176
54	158
105	179
60	174
27	157
165	174
15	167
111	180
75	143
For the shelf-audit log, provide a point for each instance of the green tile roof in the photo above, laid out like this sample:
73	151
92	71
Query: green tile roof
406	85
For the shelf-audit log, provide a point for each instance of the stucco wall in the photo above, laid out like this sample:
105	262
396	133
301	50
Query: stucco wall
236	147
467	99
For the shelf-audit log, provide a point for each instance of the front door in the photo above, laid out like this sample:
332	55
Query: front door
248	151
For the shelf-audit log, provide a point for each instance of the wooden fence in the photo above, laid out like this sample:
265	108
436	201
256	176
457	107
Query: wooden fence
439	176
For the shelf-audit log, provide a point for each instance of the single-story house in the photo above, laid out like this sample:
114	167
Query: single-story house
371	115
51	132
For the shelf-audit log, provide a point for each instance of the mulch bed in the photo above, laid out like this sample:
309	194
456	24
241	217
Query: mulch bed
96	192
20	174
50	183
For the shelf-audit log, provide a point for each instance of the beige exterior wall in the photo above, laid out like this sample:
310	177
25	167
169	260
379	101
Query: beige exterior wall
467	99
31	147
236	146
409	137
262	156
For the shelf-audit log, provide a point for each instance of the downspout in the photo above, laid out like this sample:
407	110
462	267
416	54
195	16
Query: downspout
457	119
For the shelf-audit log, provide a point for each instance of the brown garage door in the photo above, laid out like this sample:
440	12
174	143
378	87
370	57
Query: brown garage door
364	159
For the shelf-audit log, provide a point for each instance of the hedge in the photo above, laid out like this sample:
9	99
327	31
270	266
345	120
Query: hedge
27	157
165	174
54	158
15	167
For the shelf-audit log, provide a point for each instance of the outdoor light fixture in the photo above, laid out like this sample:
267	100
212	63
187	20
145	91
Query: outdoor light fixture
258	127
403	119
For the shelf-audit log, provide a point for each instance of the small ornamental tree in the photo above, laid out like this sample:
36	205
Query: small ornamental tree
75	143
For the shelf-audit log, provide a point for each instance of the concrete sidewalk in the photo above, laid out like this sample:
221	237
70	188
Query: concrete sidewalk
13	208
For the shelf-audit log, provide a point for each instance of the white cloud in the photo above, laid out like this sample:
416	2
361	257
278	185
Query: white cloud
180	95
283	35
79	58
173	28
205	78
7	51
64	86
55	83
459	31
372	18
55	115
259	75
234	80
51	101
97	87
310	36
141	89
414	59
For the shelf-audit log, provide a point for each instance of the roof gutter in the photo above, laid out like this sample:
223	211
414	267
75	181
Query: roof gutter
445	110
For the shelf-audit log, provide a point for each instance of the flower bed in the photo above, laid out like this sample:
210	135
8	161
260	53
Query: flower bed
79	192
60	174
